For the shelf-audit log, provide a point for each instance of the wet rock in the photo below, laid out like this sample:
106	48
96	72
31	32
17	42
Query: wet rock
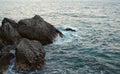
25	37
5	61
5	57
38	29
9	34
70	29
29	55
1	43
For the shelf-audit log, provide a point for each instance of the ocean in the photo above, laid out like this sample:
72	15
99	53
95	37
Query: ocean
95	46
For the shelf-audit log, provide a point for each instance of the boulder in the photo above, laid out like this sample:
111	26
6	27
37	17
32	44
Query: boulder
29	55
38	29
9	34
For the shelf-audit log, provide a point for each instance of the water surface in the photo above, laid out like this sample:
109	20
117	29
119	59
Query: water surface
93	49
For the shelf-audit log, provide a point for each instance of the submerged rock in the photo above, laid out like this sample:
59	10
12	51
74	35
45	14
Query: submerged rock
29	55
37	29
70	29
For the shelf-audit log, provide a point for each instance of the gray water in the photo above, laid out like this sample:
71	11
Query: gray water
93	49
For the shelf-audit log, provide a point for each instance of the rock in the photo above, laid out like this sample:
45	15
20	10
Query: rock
70	29
5	61
12	22
29	55
9	34
5	57
1	40
37	29
29	51
1	43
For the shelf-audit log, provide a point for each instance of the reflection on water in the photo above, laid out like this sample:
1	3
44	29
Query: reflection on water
93	49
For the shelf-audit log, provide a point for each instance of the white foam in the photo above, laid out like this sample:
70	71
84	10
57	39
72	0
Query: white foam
10	68
12	65
68	36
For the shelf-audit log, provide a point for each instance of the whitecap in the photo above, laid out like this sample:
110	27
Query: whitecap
68	35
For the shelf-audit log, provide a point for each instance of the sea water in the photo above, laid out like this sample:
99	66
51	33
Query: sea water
95	46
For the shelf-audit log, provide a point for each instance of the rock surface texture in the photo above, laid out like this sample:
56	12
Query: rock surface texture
5	57
37	29
29	55
9	34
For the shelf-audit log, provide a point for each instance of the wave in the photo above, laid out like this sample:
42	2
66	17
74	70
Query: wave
68	35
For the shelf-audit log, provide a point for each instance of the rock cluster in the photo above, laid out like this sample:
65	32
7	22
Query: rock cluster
27	38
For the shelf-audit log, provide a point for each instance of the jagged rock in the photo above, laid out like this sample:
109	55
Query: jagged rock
9	34
29	55
70	29
37	29
12	22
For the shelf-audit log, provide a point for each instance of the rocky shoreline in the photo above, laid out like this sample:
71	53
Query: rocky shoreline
26	38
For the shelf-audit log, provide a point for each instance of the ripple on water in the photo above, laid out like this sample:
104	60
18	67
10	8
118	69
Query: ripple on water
93	49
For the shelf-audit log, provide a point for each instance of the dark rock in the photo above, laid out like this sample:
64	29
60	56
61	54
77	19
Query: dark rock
5	57
9	34
1	43
70	29
12	22
1	40
38	29
5	61
29	55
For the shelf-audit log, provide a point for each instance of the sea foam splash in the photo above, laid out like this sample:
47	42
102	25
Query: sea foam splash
69	36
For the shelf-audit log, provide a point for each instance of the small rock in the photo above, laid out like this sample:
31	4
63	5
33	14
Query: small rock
70	29
5	57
